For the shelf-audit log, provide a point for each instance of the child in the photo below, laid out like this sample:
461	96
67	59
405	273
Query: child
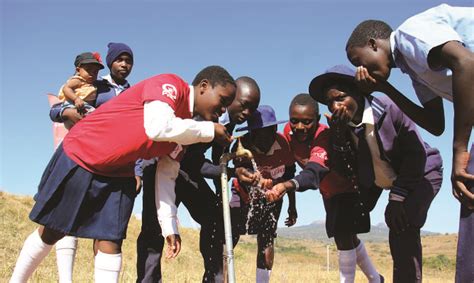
310	143
195	193
435	48
88	188
275	163
391	155
79	92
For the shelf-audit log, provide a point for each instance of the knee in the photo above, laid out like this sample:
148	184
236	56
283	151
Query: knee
344	242
49	236
109	247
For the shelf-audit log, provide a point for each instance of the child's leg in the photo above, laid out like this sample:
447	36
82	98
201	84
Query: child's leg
35	249
65	253
265	257
364	262
347	257
108	260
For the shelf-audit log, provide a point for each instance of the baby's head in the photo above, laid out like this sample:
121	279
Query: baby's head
88	65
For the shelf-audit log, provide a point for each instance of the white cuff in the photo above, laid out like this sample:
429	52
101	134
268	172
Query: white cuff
169	226
396	197
207	131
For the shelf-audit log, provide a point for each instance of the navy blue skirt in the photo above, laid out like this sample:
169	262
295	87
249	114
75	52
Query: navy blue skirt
76	202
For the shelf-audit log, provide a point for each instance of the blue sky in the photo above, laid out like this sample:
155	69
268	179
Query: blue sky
281	44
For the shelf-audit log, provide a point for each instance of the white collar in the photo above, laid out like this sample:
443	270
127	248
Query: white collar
367	116
191	99
392	45
275	146
108	78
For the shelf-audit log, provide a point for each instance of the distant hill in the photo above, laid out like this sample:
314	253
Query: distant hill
317	231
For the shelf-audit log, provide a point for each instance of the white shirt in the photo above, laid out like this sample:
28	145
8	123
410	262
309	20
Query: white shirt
383	171
118	88
414	39
162	125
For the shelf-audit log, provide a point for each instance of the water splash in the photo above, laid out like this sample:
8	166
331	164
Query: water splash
258	206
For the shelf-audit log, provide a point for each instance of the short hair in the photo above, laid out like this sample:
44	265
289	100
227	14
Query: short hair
366	30
304	99
250	82
216	75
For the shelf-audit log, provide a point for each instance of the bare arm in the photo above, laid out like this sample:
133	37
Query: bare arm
430	117
460	60
69	90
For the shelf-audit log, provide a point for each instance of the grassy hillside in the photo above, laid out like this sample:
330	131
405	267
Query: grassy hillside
295	260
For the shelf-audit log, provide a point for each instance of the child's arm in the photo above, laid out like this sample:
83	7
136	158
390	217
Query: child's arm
167	171
161	124
430	117
460	61
69	90
292	213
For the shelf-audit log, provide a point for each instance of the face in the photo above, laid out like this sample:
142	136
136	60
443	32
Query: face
211	102
245	103
88	71
374	56
263	138
303	122
338	96
121	67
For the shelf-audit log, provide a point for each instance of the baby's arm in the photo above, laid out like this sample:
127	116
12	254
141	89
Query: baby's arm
69	90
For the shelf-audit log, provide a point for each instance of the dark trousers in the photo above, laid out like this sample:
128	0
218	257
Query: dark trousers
465	252
150	242
405	246
204	207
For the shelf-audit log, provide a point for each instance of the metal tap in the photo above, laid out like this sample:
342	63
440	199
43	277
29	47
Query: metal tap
229	271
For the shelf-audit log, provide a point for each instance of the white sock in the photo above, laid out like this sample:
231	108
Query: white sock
263	275
65	253
347	265
33	252
366	265
107	267
219	278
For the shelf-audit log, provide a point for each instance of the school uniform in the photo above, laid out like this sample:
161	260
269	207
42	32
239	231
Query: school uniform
391	155
202	203
278	165
411	44
87	189
341	199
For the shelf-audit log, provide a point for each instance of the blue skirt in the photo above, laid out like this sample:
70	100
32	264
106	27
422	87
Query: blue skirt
76	202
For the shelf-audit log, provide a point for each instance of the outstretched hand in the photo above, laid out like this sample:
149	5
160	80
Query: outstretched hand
459	178
276	192
174	246
246	177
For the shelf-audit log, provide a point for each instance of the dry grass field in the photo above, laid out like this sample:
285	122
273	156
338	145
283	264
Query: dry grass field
295	260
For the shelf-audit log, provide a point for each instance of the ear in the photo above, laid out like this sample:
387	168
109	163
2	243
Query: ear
203	86
373	43
318	118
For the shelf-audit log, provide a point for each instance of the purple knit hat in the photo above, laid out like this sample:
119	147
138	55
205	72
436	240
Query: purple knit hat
115	49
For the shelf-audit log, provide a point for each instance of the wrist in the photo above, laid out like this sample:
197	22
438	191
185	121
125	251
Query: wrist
292	185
